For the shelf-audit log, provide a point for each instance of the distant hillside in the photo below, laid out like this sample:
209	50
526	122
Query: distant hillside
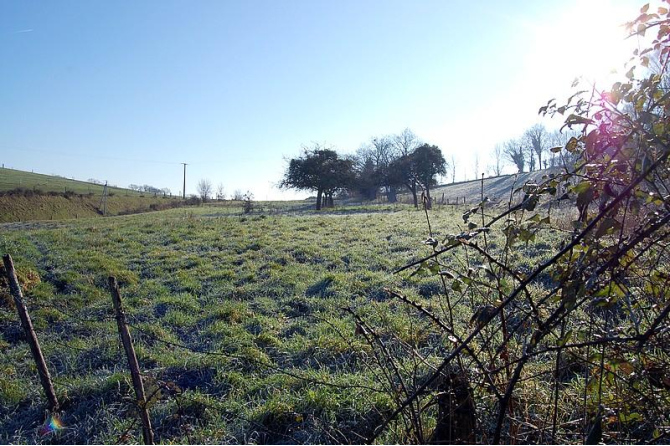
14	208
26	196
12	179
496	188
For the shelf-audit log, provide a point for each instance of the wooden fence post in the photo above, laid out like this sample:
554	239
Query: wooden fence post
126	340
27	325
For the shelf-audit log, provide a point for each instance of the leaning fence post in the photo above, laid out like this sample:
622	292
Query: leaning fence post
27	325
127	341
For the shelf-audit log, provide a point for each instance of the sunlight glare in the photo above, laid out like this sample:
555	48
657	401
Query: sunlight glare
586	40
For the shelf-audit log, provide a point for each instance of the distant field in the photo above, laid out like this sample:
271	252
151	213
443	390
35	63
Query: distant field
495	188
45	197
12	179
244	315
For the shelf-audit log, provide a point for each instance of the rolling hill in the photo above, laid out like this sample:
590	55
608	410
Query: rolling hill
32	196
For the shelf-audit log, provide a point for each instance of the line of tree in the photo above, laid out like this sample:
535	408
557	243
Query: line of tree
149	189
205	190
386	165
534	150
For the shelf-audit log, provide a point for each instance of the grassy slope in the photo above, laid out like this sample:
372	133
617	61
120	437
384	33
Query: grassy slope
15	208
84	199
12	179
263	294
497	188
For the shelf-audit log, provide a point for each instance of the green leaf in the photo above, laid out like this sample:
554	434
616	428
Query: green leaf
531	202
607	226
426	269
571	146
630	74
565	339
526	236
581	187
585	198
631	417
576	119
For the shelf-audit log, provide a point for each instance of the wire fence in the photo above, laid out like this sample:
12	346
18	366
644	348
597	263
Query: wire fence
168	391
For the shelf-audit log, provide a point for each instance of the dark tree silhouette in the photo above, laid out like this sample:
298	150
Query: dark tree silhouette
403	171
515	153
319	169
537	138
428	162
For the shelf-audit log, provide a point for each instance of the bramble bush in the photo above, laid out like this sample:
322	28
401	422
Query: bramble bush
576	347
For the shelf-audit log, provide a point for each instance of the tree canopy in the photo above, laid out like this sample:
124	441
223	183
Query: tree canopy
321	170
428	162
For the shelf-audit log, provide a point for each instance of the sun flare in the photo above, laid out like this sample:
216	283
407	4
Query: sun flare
586	40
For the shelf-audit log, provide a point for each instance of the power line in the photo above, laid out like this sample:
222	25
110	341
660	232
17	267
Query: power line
90	156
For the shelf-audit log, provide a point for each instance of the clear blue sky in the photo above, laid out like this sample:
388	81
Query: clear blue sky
125	91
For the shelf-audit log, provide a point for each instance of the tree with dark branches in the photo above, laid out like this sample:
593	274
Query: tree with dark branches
319	169
513	150
537	139
428	163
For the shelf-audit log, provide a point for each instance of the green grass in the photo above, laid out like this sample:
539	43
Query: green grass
26	196
242	314
13	179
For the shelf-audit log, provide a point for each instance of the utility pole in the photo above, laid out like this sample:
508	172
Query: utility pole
103	200
184	189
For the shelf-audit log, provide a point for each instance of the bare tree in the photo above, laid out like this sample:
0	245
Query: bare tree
530	157
383	152
204	189
476	165
406	142
513	150
537	139
559	139
453	169
497	160
238	195
220	192
403	167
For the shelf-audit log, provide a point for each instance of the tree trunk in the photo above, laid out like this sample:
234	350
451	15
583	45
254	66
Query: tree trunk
319	194
391	194
457	416
429	201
